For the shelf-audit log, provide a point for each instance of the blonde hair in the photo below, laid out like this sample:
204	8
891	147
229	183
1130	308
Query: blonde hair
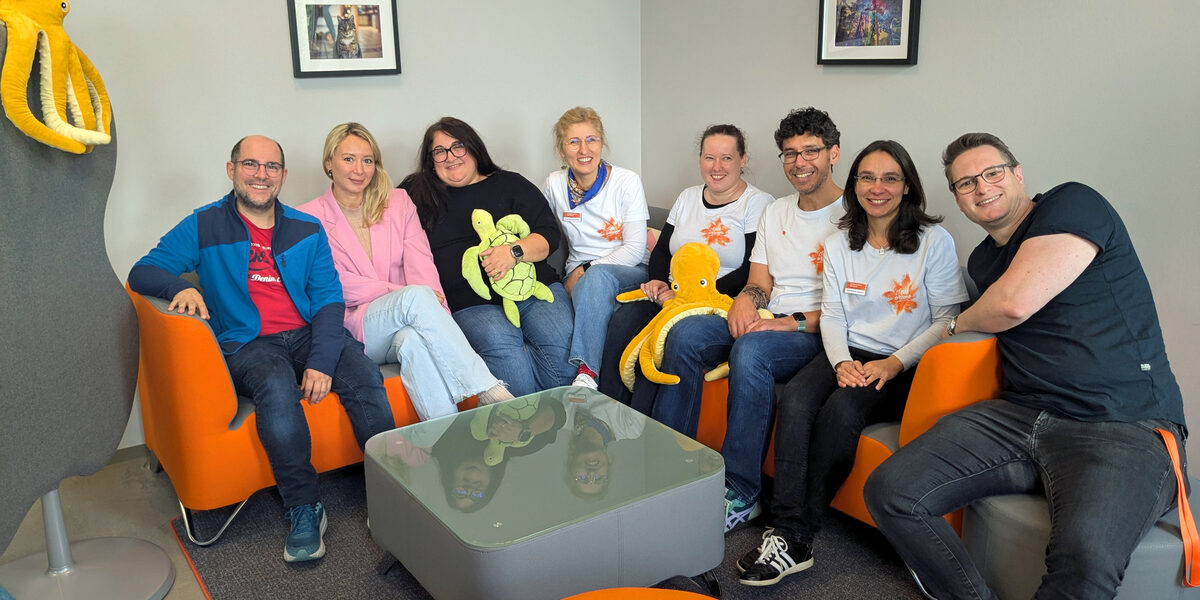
376	194
575	116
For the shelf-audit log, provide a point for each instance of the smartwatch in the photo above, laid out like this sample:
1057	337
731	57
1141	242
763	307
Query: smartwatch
799	317
517	252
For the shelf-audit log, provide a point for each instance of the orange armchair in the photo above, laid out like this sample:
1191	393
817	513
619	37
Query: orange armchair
957	372
204	436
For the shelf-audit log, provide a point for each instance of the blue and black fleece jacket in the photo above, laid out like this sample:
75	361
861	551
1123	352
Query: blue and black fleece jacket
215	242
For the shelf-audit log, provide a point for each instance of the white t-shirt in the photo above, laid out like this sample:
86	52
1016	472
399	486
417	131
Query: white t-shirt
723	228
608	229
791	243
882	301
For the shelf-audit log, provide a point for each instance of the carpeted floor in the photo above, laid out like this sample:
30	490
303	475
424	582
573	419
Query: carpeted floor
852	560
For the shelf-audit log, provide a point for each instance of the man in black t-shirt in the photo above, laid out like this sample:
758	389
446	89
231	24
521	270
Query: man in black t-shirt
1086	383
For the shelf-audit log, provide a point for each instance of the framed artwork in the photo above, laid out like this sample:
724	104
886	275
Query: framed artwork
336	40
868	32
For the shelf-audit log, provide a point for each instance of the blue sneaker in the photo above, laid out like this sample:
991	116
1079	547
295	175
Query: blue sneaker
305	541
738	511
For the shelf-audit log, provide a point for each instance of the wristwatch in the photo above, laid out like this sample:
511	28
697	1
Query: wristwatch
799	317
517	252
951	326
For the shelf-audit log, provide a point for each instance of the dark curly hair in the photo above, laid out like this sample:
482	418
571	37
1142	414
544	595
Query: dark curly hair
811	121
905	230
427	191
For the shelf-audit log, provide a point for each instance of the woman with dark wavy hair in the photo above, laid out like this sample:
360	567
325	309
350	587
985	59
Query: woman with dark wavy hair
455	176
892	283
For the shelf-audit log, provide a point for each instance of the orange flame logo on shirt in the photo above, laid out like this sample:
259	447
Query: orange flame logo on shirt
903	295
611	230
818	258
716	233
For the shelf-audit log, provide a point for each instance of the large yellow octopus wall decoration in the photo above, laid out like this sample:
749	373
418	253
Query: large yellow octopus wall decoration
75	108
694	269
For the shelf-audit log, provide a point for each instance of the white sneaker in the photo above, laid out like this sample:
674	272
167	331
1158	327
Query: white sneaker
584	380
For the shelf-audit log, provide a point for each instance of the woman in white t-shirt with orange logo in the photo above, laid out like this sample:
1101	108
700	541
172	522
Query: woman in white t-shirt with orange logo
891	284
602	210
723	212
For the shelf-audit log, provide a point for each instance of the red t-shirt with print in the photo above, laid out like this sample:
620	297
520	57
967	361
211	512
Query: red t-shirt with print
276	311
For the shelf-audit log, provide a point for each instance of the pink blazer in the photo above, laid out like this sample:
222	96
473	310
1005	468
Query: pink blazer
398	245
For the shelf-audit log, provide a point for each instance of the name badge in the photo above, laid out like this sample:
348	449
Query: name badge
858	289
572	216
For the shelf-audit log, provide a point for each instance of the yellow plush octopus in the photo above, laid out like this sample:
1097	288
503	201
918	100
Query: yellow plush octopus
67	81
694	270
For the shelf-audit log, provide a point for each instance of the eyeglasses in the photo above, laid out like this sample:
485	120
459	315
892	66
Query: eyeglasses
251	166
440	154
574	143
889	179
461	493
789	156
594	478
966	185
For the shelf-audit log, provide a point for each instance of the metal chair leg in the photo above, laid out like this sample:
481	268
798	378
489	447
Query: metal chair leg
188	527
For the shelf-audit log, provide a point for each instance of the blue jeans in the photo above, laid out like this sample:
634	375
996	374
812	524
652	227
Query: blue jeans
757	361
438	365
595	299
532	357
1106	483
626	322
267	370
817	426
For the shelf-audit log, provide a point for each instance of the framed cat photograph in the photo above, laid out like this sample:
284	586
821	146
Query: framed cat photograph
338	40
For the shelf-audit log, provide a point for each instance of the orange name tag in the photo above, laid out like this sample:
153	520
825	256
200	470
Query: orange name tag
572	216
858	289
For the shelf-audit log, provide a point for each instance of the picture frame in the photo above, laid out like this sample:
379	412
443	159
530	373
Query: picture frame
868	32
339	40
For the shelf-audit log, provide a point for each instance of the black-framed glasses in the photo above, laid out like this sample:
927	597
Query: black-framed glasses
993	174
250	167
789	156
888	179
440	154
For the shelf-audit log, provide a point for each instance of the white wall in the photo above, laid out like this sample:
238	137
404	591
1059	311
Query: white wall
1102	92
188	79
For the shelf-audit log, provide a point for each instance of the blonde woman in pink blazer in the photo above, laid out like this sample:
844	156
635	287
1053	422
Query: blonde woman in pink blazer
394	302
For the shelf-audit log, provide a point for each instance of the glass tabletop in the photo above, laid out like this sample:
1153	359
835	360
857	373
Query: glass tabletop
503	473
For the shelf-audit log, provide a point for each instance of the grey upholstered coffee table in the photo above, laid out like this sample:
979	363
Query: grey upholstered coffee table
544	496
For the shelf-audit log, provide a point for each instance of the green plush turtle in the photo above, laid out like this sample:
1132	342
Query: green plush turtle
520	282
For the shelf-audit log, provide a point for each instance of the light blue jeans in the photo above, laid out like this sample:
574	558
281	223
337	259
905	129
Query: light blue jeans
529	358
438	365
595	300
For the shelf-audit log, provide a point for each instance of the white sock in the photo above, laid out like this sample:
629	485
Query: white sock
497	393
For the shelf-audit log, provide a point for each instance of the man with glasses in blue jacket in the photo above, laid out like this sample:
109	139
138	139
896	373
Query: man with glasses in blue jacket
275	304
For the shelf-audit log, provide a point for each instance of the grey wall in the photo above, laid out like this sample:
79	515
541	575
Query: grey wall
1102	92
188	79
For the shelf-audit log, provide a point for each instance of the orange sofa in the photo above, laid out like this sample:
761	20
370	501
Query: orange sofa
203	436
957	372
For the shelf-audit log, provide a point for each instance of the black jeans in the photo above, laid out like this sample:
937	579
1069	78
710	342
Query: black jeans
816	437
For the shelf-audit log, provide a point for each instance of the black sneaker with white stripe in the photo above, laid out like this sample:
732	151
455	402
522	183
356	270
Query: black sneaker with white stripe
748	558
778	557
